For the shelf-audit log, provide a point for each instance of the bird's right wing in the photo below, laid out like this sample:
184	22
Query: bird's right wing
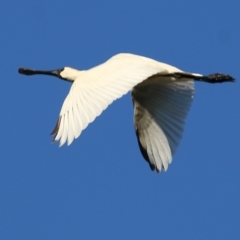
160	108
98	87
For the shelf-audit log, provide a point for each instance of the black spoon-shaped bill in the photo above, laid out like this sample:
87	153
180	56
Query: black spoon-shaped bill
29	72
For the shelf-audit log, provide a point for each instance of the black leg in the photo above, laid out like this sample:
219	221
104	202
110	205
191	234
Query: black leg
212	78
217	78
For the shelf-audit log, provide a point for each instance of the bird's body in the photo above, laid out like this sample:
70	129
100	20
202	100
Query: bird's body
161	94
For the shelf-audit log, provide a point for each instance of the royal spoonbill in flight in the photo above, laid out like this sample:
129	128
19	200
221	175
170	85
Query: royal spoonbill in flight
161	95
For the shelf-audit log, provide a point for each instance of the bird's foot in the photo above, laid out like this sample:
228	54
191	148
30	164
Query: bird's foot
219	78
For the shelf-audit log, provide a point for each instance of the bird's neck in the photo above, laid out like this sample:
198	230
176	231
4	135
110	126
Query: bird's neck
70	74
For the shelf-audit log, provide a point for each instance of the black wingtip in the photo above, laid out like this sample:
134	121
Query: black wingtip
145	154
56	128
54	140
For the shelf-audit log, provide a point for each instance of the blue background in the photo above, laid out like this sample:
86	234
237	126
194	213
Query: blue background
100	187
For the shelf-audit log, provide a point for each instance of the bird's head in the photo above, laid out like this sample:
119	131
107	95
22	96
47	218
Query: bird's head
66	73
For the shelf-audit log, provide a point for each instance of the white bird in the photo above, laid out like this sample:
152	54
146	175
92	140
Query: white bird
161	95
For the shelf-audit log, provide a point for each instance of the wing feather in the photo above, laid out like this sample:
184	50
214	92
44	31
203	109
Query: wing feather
161	105
162	143
150	150
60	130
71	127
84	115
64	130
77	123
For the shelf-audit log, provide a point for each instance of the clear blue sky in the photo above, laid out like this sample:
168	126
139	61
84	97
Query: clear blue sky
100	187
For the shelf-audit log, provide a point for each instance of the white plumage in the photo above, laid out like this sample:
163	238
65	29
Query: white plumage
161	94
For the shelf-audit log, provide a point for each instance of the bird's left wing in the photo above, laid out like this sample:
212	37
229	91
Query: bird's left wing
98	87
161	105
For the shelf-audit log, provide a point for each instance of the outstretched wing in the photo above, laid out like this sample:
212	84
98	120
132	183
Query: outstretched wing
161	105
98	87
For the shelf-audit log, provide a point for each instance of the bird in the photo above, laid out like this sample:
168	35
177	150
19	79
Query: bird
161	94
